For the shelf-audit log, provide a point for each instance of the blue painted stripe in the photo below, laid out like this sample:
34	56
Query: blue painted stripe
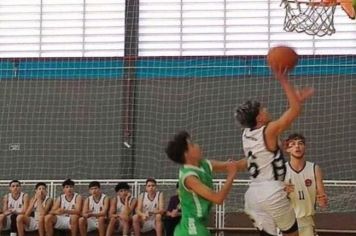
169	67
239	66
62	69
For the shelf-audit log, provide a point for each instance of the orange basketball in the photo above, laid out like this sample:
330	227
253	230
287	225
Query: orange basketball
282	58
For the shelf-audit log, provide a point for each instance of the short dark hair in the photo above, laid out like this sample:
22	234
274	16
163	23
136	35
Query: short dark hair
247	113
40	184
122	185
295	136
67	182
177	147
94	184
151	180
14	181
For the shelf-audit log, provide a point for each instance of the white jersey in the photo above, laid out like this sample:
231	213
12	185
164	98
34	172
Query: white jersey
304	196
263	165
15	204
120	205
34	210
68	205
149	205
96	206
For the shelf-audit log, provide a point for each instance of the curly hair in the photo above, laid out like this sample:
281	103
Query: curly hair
177	147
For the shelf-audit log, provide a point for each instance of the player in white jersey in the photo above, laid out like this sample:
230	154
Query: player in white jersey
122	207
14	204
65	211
266	201
95	210
39	206
149	210
305	185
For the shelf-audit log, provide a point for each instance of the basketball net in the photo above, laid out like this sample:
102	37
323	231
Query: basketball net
313	17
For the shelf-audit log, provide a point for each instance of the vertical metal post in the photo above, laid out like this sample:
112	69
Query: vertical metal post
128	88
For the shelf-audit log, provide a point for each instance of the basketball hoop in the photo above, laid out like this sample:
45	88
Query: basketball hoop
314	17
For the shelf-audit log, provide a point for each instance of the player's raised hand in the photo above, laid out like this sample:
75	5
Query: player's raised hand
127	199
33	200
280	74
38	197
304	94
322	200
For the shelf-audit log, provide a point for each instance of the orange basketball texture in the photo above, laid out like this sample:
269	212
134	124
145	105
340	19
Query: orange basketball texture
282	58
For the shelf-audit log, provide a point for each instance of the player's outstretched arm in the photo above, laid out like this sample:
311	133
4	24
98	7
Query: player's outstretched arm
221	166
194	184
295	99
322	198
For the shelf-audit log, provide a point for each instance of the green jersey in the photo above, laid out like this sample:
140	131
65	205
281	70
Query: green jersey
195	209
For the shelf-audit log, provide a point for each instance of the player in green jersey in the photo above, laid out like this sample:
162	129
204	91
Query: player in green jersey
196	183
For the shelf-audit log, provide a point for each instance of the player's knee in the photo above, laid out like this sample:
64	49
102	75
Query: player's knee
48	219
101	220
41	221
112	220
74	218
81	220
20	219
